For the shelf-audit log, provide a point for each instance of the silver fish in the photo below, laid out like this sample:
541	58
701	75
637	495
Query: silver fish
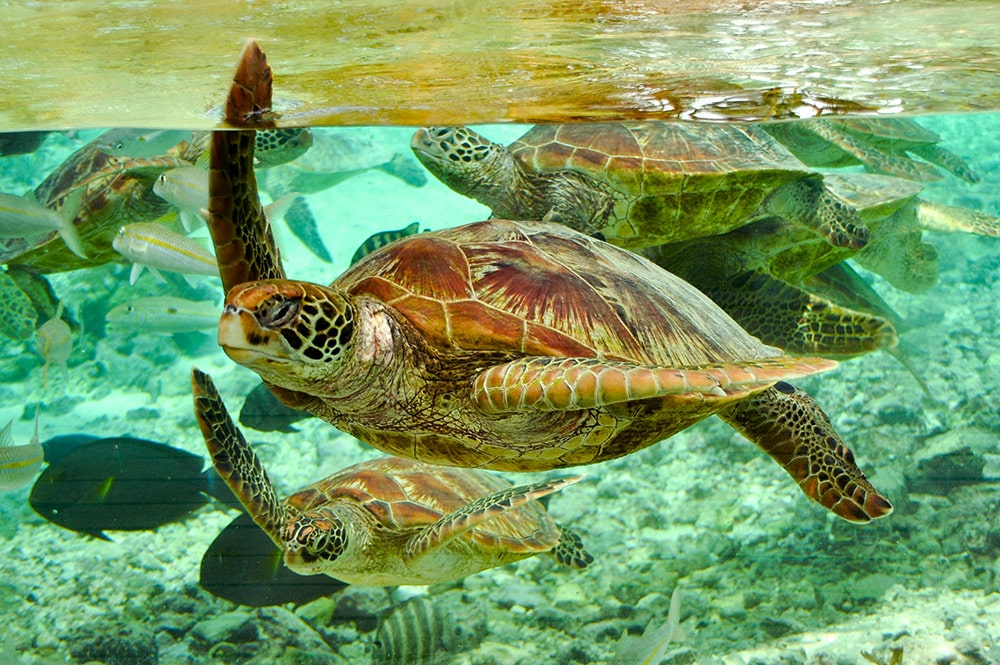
138	142
417	632
185	188
54	341
648	648
165	314
19	464
153	246
24	217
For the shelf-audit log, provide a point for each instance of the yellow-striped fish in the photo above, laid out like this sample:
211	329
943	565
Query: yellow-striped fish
138	142
25	217
417	632
19	464
185	188
154	246
165	314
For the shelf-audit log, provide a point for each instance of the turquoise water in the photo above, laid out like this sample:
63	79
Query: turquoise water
765	575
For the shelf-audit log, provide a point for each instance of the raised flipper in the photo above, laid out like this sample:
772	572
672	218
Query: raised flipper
235	460
791	427
244	243
563	384
798	321
809	203
875	160
476	512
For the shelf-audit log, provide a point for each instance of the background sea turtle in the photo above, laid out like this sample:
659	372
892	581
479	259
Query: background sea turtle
335	156
505	345
388	520
639	184
881	145
790	288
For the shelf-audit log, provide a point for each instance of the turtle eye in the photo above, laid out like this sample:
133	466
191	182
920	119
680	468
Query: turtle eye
278	313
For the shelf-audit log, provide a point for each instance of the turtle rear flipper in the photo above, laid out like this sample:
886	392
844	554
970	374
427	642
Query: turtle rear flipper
791	427
798	321
490	507
569	550
809	203
235	460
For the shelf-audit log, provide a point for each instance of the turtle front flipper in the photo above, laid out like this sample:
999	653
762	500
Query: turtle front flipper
874	159
493	506
235	460
934	216
563	384
244	243
797	321
809	203
791	427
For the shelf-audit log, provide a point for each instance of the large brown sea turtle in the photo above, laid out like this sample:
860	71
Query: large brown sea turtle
639	184
506	345
388	520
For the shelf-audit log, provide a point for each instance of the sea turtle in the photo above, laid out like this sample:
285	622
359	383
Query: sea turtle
639	184
388	520
336	155
792	289
506	345
880	144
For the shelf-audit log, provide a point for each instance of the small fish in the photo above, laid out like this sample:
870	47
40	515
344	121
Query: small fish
165	314
418	632
244	566
124	483
19	464
54	341
138	142
383	238
25	217
265	413
185	188
648	648
154	246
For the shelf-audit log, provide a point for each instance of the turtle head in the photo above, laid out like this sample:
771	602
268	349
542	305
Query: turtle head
313	540
293	334
463	160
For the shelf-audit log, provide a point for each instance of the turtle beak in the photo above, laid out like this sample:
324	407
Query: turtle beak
242	338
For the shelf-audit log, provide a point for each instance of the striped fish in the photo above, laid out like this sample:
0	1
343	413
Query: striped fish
154	246
19	464
417	632
165	314
383	238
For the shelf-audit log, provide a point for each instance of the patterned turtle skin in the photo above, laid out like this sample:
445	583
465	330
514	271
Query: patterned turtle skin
639	184
518	346
389	520
879	144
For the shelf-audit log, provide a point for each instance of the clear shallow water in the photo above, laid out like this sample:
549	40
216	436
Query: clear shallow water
766	576
139	63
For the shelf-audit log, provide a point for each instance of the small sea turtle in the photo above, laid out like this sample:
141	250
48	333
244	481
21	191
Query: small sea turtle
388	520
506	345
639	184
881	145
335	156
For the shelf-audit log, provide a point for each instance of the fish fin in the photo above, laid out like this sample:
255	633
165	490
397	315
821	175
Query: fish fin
191	221
156	273
6	438
277	209
67	231
133	276
191	280
34	438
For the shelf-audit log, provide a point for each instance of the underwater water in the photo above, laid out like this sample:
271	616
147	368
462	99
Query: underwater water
765	575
